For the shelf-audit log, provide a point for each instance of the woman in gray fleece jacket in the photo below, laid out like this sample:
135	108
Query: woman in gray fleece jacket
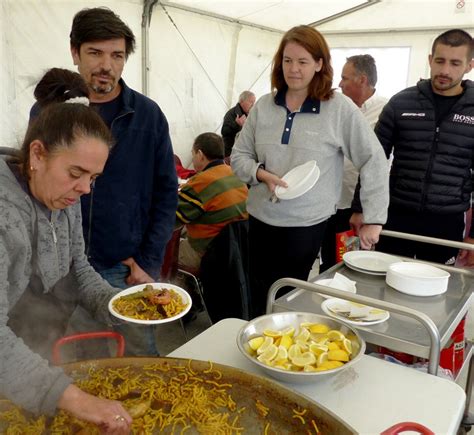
43	269
303	120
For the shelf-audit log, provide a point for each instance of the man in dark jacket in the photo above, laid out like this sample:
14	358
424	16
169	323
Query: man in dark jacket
430	128
129	216
234	120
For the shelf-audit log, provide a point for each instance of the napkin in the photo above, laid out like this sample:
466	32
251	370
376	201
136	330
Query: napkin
343	283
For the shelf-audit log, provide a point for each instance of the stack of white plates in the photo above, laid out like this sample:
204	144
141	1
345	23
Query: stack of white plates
371	262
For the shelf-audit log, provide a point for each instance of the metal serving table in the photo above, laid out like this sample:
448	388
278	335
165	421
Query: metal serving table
420	326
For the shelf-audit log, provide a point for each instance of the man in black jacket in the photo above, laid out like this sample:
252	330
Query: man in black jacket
234	120
430	128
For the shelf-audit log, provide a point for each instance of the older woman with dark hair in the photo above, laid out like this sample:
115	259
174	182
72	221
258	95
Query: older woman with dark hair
44	272
303	120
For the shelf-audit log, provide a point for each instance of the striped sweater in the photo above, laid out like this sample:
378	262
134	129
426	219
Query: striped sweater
209	201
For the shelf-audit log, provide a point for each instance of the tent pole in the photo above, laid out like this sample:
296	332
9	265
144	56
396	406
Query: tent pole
343	13
146	18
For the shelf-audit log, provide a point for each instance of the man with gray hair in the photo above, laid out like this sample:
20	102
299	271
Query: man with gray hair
234	120
358	80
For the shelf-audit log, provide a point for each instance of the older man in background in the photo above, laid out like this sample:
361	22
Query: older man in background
234	120
358	80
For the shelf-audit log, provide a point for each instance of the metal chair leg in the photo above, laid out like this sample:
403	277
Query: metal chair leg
199	289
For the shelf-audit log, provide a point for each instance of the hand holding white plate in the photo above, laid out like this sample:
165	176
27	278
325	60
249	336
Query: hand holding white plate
178	306
299	180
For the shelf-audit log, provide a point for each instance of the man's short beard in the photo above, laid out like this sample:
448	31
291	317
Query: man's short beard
102	90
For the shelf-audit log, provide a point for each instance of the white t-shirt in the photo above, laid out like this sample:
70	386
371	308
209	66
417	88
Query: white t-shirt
371	110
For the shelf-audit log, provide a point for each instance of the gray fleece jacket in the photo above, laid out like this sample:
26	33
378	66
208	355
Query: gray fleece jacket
37	249
324	131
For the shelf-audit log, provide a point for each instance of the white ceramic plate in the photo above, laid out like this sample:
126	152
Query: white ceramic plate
300	179
156	285
371	319
370	261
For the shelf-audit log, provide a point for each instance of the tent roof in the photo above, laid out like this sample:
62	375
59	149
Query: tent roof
336	16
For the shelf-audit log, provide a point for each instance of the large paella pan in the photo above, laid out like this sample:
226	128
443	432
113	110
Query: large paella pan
174	396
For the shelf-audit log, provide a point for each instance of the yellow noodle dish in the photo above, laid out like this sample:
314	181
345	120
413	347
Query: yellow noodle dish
150	303
174	396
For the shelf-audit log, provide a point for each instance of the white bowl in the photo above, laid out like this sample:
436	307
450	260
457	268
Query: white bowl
279	321
417	279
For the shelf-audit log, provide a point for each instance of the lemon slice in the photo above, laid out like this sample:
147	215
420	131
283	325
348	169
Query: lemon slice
318	349
322	359
272	333
269	353
319	328
347	345
286	341
334	335
333	346
268	341
256	342
304	359
309	368
338	355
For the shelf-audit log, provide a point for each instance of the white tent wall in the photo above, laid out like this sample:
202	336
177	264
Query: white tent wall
199	66
35	37
419	42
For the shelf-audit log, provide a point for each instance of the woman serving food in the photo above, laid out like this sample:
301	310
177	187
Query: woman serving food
44	272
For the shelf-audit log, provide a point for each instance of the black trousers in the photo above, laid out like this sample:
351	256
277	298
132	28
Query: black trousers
337	223
442	226
279	252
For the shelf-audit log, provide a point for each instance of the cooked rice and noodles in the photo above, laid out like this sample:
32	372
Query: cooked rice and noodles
142	306
161	398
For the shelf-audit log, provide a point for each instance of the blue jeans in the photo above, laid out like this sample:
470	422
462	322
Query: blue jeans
139	339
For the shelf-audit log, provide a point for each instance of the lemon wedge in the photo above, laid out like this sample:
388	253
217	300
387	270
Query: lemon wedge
303	336
347	345
272	333
290	331
269	353
318	349
294	351
281	356
334	335
268	341
304	359
338	355
319	328
322	358
256	342
286	341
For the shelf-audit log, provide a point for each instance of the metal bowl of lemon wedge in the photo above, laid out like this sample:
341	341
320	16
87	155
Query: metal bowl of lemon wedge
300	347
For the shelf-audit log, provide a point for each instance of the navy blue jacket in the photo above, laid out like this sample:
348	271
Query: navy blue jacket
132	209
